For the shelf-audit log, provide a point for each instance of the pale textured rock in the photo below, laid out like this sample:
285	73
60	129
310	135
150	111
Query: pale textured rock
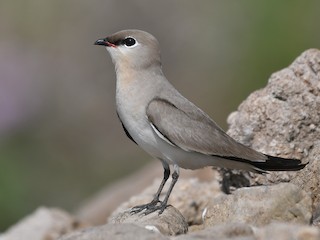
190	197
238	231
285	231
223	231
43	224
170	222
100	206
283	119
115	232
316	217
309	180
261	205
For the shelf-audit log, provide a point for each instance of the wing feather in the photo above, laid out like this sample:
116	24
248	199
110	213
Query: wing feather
195	131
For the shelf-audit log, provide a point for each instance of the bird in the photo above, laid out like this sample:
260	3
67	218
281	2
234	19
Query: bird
166	125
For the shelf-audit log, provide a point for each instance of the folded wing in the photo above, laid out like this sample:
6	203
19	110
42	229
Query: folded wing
195	131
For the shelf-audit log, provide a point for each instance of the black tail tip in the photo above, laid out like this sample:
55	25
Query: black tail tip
280	164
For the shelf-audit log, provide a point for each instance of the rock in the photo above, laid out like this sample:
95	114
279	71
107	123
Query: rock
222	231
285	231
283	119
316	217
43	224
170	222
309	179
261	205
115	232
190	196
240	231
100	206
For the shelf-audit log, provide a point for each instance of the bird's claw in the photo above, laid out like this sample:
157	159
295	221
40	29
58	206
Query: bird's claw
149	208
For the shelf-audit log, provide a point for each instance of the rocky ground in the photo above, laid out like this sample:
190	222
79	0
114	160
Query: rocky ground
282	119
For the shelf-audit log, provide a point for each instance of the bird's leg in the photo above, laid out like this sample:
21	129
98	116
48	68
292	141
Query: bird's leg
163	204
155	200
166	175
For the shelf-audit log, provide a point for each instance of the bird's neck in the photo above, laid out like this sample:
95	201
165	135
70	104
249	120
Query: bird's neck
129	73
132	81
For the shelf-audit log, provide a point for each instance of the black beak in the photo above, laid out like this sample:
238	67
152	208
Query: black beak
102	42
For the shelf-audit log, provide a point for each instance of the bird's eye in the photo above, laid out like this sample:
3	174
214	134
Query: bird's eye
129	41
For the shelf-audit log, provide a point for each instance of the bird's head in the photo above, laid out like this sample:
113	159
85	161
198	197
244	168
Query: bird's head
133	49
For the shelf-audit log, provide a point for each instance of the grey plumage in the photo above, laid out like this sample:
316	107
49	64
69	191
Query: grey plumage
167	125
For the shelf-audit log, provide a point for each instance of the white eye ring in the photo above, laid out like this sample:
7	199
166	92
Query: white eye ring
130	42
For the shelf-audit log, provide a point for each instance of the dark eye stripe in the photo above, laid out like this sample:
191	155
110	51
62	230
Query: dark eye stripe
129	41
119	42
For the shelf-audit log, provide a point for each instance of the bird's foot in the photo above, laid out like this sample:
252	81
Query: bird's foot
151	207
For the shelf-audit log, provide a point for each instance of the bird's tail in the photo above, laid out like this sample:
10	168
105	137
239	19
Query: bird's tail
279	164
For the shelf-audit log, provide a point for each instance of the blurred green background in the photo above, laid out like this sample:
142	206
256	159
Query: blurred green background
60	139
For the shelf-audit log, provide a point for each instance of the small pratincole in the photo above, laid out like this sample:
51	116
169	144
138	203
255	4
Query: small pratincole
168	126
